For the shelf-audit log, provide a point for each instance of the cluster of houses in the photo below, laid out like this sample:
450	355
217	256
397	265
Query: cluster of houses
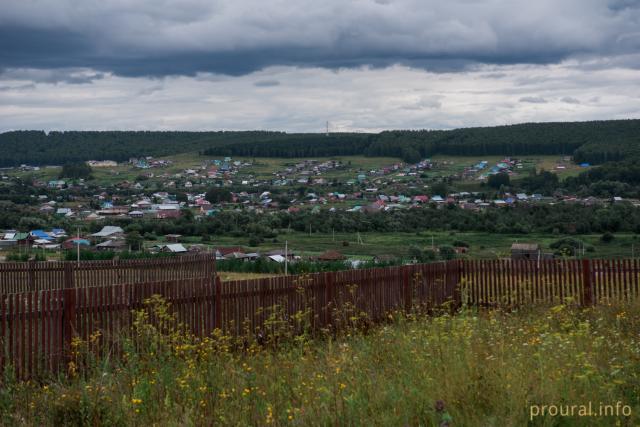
162	205
109	238
148	162
57	238
308	168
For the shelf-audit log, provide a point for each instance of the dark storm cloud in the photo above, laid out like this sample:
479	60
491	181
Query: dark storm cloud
170	37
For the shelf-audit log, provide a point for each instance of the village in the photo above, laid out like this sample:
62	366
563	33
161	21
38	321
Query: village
95	209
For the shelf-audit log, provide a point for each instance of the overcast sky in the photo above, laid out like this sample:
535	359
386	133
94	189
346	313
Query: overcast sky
363	65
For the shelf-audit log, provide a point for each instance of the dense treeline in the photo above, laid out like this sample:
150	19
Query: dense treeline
57	148
595	142
298	145
565	218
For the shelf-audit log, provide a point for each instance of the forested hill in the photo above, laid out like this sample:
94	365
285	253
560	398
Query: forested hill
595	142
56	148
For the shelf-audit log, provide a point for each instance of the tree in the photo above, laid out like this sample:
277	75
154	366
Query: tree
410	155
447	252
134	241
76	171
218	195
498	180
187	214
439	189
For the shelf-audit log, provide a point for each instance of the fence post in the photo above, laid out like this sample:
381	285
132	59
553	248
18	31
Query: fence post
68	275
406	284
587	285
218	304
31	266
455	281
69	324
328	296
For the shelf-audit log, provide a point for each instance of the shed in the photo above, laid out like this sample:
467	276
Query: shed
525	251
175	248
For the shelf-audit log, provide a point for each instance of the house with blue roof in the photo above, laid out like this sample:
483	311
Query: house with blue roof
40	234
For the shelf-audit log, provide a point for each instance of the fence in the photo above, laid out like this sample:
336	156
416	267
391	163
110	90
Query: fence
36	328
49	275
519	282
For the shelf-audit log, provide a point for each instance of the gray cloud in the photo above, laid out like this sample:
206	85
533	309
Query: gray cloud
54	75
171	37
533	99
266	83
570	100
18	88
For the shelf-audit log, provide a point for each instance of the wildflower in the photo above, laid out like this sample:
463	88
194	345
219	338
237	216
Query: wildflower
269	419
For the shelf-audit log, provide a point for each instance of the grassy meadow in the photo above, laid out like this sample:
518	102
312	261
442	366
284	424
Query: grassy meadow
481	245
472	368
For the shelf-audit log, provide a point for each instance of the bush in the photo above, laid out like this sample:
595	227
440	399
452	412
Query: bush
565	250
23	257
607	237
460	244
447	252
255	240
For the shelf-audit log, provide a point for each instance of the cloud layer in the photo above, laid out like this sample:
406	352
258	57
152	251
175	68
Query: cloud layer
295	99
292	65
171	37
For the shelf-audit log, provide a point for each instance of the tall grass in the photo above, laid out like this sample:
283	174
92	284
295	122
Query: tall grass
472	368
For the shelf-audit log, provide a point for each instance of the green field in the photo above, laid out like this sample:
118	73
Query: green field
481	245
473	368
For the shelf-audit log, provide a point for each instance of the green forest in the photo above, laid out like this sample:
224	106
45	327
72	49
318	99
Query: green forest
594	142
